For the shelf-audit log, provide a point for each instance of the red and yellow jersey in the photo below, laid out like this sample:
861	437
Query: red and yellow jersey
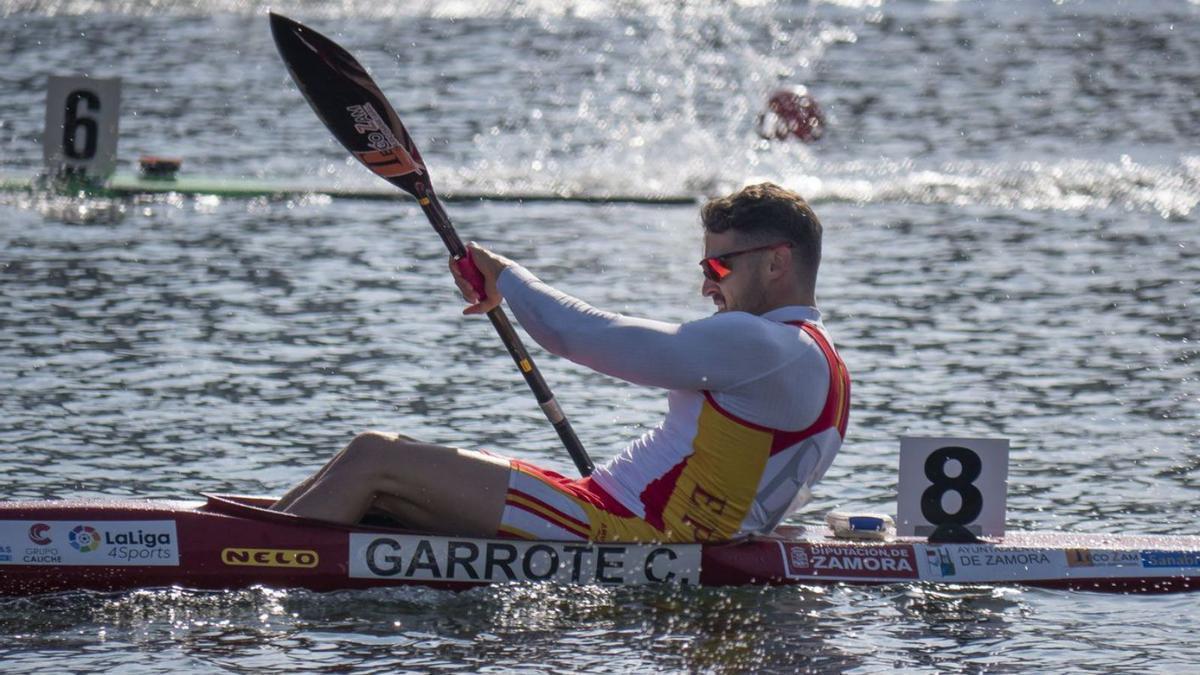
733	476
757	409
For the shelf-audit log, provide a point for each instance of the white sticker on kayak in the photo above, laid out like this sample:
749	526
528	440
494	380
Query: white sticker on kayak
419	558
109	543
986	563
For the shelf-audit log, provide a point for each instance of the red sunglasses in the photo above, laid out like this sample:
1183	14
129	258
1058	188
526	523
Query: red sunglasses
716	267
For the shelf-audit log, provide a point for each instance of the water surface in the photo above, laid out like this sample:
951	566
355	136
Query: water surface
1009	195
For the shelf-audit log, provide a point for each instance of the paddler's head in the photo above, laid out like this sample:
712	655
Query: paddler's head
762	249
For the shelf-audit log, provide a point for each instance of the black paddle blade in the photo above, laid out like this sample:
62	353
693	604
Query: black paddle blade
350	104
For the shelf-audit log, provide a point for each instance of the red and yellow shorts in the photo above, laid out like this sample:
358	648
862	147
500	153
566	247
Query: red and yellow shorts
542	504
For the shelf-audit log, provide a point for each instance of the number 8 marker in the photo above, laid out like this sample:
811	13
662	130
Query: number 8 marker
925	482
963	484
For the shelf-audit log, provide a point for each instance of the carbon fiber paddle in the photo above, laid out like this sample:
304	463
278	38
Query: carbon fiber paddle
358	114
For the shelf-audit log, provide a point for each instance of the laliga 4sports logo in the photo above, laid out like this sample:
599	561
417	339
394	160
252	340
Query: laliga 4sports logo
38	534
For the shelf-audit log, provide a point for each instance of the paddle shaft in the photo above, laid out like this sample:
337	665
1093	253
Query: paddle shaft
533	377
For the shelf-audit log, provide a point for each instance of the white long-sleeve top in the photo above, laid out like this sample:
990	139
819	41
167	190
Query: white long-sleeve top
758	368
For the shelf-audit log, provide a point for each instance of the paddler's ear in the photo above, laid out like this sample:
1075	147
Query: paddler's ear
780	262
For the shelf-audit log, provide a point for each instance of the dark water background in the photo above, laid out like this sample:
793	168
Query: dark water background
1009	192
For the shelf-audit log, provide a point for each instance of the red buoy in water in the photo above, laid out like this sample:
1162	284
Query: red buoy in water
159	168
791	111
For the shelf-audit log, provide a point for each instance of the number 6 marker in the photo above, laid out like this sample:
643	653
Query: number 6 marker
81	126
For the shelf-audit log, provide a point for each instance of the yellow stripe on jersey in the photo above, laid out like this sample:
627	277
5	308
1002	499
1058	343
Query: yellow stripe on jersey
718	485
510	531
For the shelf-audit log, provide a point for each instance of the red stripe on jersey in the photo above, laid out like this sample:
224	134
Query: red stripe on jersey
563	520
835	412
654	497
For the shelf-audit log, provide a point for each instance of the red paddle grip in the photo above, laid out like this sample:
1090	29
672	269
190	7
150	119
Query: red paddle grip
471	273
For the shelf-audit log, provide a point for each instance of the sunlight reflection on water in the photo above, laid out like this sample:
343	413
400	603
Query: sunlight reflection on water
1010	252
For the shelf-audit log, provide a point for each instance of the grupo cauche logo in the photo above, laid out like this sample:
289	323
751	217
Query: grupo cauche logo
38	534
85	539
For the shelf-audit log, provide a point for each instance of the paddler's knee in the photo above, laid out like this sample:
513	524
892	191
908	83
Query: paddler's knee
378	452
372	442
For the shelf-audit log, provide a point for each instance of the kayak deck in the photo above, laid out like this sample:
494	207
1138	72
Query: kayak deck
228	542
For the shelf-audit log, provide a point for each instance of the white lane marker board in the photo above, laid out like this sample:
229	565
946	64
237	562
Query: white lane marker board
80	136
959	481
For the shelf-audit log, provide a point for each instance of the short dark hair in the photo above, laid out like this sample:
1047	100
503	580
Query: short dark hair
767	211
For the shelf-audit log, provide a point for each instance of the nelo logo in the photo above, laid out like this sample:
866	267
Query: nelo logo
37	534
269	557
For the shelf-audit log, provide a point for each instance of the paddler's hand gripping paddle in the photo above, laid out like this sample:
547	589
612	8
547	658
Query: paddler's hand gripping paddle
351	105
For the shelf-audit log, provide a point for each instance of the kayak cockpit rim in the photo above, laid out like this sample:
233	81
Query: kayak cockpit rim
257	507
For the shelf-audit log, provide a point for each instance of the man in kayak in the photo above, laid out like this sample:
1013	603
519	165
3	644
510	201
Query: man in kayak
758	402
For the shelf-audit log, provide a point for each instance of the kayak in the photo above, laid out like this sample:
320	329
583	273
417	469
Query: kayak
131	185
231	542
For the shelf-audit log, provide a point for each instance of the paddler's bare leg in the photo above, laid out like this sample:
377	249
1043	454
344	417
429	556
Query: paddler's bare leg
428	487
293	494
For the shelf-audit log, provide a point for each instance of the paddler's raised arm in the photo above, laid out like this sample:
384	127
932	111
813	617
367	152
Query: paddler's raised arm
719	352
